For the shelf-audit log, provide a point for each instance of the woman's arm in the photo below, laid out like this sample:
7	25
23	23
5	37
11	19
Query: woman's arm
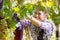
21	24
25	23
43	25
34	21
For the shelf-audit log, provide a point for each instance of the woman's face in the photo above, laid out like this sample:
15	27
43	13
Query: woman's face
36	15
40	15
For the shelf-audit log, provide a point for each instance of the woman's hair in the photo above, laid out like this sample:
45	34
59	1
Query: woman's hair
46	13
37	11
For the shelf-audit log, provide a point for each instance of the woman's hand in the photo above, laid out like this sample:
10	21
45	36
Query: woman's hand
28	17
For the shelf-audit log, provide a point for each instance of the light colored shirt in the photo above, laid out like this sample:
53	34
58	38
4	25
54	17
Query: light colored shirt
46	26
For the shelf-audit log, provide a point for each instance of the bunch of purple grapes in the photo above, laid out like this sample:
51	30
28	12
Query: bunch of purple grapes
23	24
18	20
1	4
15	17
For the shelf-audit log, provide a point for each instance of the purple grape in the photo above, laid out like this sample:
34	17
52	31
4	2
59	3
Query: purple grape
23	24
1	4
15	16
18	20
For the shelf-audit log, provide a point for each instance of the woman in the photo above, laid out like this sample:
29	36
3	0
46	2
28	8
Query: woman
37	21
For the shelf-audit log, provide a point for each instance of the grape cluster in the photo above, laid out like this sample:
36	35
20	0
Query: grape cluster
21	24
1	4
18	20
15	16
